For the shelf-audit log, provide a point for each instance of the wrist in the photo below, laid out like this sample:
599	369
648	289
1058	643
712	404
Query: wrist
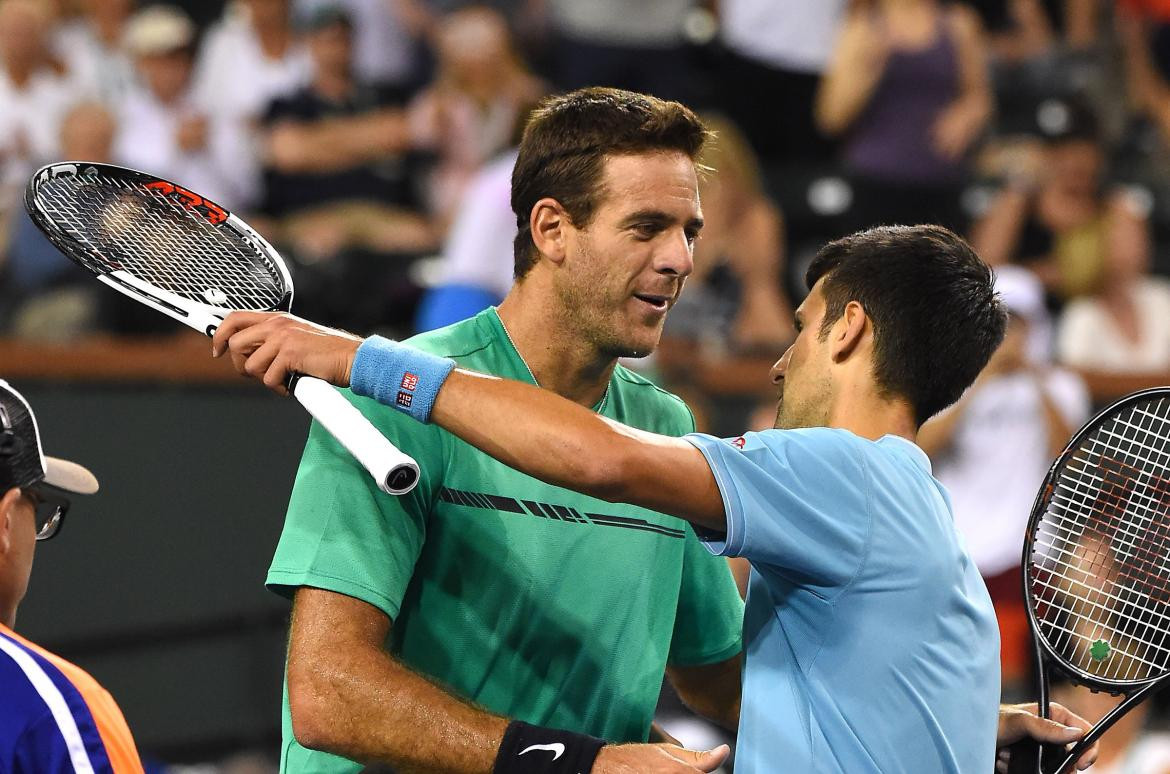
398	375
528	749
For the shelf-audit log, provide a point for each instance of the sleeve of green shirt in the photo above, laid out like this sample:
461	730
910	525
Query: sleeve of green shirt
708	627
342	533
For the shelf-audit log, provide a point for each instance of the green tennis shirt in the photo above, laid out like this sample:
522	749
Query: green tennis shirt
533	601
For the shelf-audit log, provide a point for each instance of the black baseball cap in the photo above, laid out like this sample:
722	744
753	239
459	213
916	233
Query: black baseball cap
22	461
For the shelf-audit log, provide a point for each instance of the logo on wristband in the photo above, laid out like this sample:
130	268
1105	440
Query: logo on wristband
556	748
404	399
409	381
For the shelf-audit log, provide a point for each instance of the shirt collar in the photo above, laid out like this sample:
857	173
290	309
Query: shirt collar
910	449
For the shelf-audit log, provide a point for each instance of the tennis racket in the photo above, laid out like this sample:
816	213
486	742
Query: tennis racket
192	260
1097	567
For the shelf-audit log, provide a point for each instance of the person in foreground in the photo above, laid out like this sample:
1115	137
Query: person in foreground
54	717
487	619
870	638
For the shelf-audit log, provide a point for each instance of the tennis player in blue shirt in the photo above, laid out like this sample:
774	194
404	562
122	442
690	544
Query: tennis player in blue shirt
870	639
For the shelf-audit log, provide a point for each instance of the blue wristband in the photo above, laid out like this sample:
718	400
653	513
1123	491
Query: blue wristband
399	375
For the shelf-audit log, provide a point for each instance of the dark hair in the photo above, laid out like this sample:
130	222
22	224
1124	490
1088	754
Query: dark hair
935	313
565	144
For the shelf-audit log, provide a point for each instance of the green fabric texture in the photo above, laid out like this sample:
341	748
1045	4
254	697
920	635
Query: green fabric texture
530	600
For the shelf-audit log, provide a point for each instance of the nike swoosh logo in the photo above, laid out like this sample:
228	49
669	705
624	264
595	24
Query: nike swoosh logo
556	748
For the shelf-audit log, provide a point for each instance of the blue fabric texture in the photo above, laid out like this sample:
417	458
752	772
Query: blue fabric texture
871	642
399	375
447	304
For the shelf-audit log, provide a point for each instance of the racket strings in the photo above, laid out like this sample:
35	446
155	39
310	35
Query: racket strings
1099	569
158	240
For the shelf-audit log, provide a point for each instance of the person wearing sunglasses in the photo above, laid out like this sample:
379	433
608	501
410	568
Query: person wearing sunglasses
54	717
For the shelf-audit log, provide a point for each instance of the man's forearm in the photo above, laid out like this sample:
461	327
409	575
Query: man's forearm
351	698
565	444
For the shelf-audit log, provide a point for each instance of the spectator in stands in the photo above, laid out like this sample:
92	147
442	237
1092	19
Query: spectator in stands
163	128
45	297
93	48
637	46
35	93
1118	338
908	91
251	57
472	110
477	262
1027	30
775	54
734	315
54	716
1057	217
1144	30
992	449
339	176
245	61
384	51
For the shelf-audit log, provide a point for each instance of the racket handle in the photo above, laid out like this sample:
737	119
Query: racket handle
396	473
1030	757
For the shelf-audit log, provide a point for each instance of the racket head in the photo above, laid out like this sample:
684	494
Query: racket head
157	242
1096	553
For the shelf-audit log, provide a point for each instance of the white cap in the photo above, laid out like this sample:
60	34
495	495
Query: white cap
159	29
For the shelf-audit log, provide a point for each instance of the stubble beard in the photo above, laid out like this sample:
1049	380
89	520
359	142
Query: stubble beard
601	327
793	413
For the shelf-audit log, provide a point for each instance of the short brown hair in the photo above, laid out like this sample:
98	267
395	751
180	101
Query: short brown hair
565	144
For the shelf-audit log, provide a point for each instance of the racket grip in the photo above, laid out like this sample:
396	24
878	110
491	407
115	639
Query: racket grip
396	473
1030	757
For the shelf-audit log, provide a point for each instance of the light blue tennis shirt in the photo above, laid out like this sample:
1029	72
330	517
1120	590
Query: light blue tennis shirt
870	639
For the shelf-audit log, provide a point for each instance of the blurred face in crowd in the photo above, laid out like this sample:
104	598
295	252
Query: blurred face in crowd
332	48
23	26
268	13
166	74
87	133
475	49
1076	166
623	271
18	540
112	10
801	375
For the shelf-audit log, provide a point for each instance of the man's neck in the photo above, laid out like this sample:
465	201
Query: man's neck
872	416
554	351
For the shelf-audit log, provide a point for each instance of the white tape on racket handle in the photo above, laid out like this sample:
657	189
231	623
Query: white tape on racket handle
395	472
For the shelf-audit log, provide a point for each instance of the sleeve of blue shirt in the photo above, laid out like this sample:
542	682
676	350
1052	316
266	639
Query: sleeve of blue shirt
796	502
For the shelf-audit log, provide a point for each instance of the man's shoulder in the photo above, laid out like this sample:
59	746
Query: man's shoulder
460	340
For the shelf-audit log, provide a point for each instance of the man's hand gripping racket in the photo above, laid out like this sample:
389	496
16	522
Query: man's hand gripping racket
189	258
1097	567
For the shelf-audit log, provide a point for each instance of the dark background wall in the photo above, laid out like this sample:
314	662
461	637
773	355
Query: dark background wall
155	584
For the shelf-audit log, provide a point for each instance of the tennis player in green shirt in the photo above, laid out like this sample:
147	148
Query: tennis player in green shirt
487	612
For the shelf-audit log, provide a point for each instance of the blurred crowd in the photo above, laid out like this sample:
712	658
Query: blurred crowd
372	141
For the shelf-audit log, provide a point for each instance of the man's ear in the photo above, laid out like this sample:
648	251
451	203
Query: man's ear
550	223
849	331
8	518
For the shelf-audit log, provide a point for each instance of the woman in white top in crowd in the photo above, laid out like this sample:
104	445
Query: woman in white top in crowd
1118	337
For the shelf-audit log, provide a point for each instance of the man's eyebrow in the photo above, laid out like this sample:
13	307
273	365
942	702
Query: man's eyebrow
658	217
643	216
